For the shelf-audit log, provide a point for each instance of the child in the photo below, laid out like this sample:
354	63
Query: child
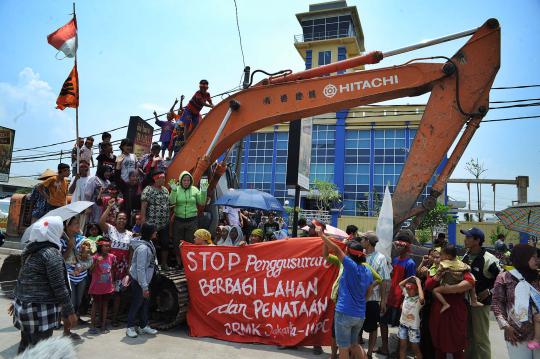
126	161
78	147
137	227
409	323
104	202
402	267
131	194
191	114
86	151
167	128
451	272
93	234
105	138
102	285
106	157
178	138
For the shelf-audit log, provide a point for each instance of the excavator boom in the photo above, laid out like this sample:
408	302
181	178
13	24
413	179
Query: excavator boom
459	97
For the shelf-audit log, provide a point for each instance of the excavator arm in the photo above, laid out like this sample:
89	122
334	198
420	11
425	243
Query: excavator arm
459	98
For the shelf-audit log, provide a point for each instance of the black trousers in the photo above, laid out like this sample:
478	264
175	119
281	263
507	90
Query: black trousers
31	339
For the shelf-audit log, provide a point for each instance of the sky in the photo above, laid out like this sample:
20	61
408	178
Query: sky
137	56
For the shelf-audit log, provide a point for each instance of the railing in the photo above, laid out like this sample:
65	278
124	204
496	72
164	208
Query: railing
309	215
324	35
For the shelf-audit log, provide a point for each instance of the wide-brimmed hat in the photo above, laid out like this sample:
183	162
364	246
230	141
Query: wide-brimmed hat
46	174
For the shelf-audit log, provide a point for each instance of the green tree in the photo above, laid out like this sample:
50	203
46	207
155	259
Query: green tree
436	217
363	206
475	168
326	194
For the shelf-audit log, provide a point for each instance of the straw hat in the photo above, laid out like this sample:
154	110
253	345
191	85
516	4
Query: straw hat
46	174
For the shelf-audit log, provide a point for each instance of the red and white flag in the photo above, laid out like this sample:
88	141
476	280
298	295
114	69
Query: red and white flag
65	38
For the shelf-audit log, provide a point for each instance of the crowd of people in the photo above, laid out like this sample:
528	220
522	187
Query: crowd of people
441	306
137	223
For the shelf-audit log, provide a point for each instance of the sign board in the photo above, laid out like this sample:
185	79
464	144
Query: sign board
299	154
272	293
141	133
7	137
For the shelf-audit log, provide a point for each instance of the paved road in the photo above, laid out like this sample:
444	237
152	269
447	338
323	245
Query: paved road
176	344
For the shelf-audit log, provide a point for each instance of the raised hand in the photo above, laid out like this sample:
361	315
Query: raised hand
173	185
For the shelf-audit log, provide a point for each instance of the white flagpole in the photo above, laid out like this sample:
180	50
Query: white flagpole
77	108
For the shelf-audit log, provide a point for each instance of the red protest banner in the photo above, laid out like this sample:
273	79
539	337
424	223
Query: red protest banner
272	293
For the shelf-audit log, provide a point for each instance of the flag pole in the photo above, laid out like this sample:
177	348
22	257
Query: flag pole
76	108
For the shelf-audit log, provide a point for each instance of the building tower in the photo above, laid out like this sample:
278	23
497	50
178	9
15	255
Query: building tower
361	150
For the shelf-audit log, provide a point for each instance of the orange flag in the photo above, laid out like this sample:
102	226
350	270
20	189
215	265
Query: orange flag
69	95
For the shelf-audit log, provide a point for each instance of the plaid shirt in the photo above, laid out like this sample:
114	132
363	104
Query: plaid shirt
32	317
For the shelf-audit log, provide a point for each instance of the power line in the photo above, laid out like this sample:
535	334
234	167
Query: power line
510	101
514	87
36	148
239	34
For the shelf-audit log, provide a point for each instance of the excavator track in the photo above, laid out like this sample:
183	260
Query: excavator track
169	301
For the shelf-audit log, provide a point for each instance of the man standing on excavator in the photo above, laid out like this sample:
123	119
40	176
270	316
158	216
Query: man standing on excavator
191	114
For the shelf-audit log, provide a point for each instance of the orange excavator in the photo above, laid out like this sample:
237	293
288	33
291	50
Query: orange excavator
459	100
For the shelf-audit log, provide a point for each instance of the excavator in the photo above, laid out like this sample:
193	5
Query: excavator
459	99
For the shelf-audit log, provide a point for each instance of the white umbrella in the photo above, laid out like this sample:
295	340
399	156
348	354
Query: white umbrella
65	212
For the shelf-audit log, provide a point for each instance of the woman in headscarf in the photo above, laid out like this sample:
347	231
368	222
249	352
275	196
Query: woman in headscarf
94	187
516	298
257	236
236	236
202	237
224	240
42	290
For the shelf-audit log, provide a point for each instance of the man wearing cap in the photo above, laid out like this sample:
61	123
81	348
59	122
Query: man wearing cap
485	268
376	302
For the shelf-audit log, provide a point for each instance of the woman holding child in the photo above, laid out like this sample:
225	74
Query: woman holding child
449	327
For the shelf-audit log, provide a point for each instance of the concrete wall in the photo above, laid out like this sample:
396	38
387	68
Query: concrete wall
363	223
370	223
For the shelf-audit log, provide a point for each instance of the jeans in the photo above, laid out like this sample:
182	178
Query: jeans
139	306
77	294
478	332
31	339
520	351
347	329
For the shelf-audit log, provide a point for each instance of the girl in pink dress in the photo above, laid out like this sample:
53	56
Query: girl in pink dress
102	285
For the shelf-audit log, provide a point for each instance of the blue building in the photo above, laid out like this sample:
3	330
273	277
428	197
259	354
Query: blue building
361	150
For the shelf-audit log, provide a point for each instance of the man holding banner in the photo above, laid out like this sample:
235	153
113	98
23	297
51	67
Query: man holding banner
354	288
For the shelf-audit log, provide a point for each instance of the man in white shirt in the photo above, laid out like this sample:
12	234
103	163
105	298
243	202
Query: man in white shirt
376	302
78	183
233	216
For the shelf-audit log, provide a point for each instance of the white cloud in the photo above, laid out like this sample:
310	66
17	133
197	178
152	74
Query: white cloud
29	107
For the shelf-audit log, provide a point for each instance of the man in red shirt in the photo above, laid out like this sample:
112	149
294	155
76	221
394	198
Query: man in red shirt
191	114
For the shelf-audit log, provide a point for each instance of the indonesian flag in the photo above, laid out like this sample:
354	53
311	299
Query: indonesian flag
69	95
65	38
